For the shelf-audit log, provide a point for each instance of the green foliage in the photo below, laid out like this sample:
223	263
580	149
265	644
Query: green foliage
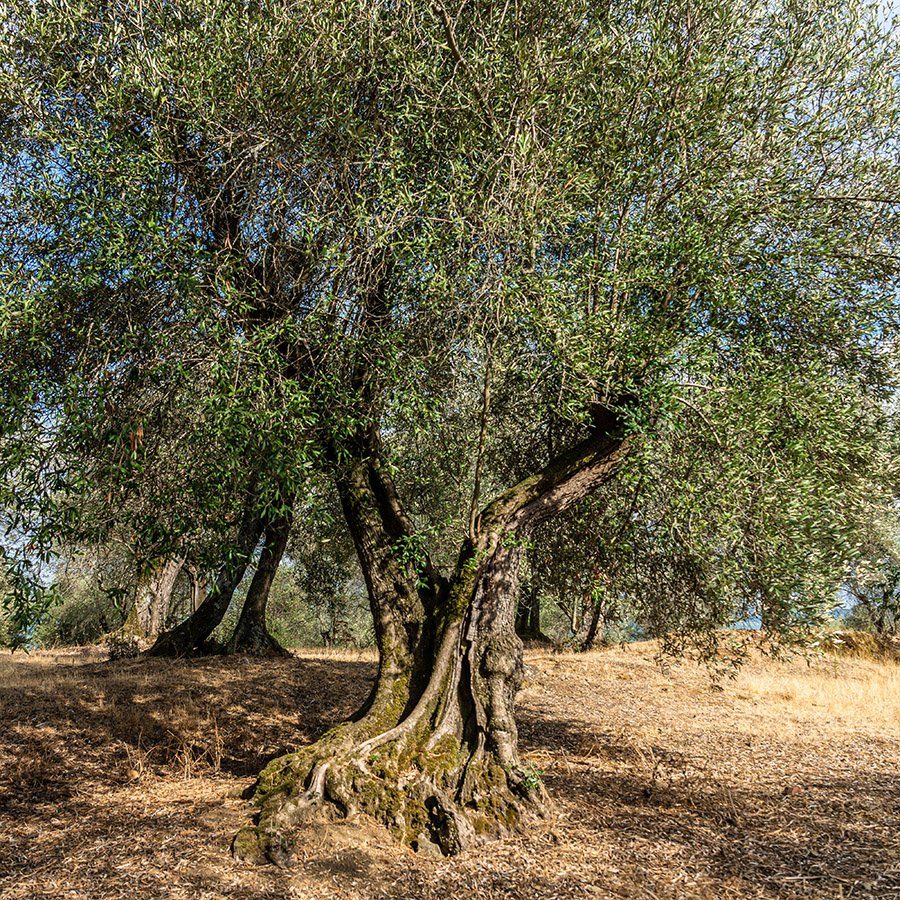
531	779
91	593
6	626
234	239
83	616
874	587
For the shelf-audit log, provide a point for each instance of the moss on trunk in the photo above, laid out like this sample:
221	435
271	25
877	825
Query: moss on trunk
437	764
433	754
432	790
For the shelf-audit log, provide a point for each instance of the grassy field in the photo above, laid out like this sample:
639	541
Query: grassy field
123	780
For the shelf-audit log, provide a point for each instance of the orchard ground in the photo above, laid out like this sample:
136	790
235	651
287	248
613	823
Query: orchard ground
123	779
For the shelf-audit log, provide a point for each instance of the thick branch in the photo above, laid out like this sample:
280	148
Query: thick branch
564	481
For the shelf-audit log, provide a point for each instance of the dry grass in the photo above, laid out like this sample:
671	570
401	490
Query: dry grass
864	695
123	780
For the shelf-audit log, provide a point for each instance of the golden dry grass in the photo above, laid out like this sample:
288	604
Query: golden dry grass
865	694
123	780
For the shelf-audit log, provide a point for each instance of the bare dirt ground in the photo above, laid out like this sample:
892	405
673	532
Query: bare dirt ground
123	779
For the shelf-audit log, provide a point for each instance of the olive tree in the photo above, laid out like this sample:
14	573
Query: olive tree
603	214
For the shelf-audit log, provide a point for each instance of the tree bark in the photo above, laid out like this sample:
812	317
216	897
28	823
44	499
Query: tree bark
402	595
191	636
153	597
433	753
251	636
594	627
198	586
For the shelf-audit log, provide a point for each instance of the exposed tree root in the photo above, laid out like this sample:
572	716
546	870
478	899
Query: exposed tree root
433	795
442	777
433	759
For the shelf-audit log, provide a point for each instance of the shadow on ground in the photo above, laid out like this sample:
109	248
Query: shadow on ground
832	835
122	779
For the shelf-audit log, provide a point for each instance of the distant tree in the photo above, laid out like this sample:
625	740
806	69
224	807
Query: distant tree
874	589
7	636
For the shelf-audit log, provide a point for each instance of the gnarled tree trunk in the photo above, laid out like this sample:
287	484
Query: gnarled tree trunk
433	753
251	636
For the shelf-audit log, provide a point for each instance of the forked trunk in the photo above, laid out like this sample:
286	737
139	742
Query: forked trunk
251	636
191	636
401	598
433	753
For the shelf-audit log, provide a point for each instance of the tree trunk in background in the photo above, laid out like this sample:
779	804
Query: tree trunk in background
153	597
199	585
596	626
191	636
528	614
433	752
251	636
